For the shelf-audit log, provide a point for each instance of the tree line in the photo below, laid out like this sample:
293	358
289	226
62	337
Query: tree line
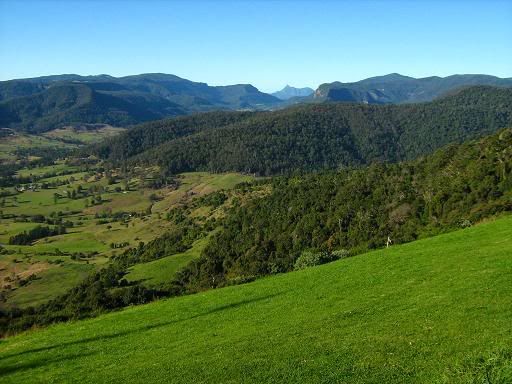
311	137
39	232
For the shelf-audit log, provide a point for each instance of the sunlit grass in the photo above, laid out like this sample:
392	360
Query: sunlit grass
434	311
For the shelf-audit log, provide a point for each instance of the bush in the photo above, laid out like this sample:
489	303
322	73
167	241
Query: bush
465	223
311	258
340	254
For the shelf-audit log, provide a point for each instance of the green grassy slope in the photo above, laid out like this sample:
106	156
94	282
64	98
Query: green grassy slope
157	272
433	311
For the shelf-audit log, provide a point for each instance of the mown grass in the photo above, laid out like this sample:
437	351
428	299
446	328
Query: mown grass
204	180
40	171
438	310
161	271
10	228
195	184
63	138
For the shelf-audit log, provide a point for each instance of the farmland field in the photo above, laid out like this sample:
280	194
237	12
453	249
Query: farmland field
15	145
116	215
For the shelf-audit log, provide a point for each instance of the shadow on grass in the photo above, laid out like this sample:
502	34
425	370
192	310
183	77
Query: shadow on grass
40	362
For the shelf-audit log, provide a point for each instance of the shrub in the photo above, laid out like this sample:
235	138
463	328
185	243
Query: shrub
308	259
340	254
311	258
465	223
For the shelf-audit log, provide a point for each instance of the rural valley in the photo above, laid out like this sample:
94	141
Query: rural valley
355	227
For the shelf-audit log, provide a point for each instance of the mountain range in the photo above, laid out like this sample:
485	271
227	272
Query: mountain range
396	88
41	104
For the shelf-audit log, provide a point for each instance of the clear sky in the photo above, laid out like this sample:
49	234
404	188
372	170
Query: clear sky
265	43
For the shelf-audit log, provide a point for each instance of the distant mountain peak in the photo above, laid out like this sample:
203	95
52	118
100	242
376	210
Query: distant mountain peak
288	92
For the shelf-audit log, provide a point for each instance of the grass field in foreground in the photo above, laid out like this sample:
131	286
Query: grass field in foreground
438	310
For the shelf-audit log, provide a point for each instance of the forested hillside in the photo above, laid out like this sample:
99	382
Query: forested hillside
149	135
315	137
80	103
357	210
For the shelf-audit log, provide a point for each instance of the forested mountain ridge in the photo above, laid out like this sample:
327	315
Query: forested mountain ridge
71	103
395	88
148	135
355	210
317	136
41	104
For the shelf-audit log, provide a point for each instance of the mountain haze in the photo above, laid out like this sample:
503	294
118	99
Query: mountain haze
41	104
288	92
44	103
396	88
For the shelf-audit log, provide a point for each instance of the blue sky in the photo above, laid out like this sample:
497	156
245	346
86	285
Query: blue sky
265	43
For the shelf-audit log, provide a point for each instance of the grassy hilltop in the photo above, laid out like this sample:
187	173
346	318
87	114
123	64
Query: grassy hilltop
433	311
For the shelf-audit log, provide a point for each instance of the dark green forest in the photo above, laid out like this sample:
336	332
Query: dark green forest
311	137
76	103
357	210
151	134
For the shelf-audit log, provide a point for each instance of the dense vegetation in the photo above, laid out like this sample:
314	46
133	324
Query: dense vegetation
148	135
432	311
313	137
305	220
79	103
358	210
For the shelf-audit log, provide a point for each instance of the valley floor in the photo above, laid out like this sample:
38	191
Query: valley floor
436	310
50	262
